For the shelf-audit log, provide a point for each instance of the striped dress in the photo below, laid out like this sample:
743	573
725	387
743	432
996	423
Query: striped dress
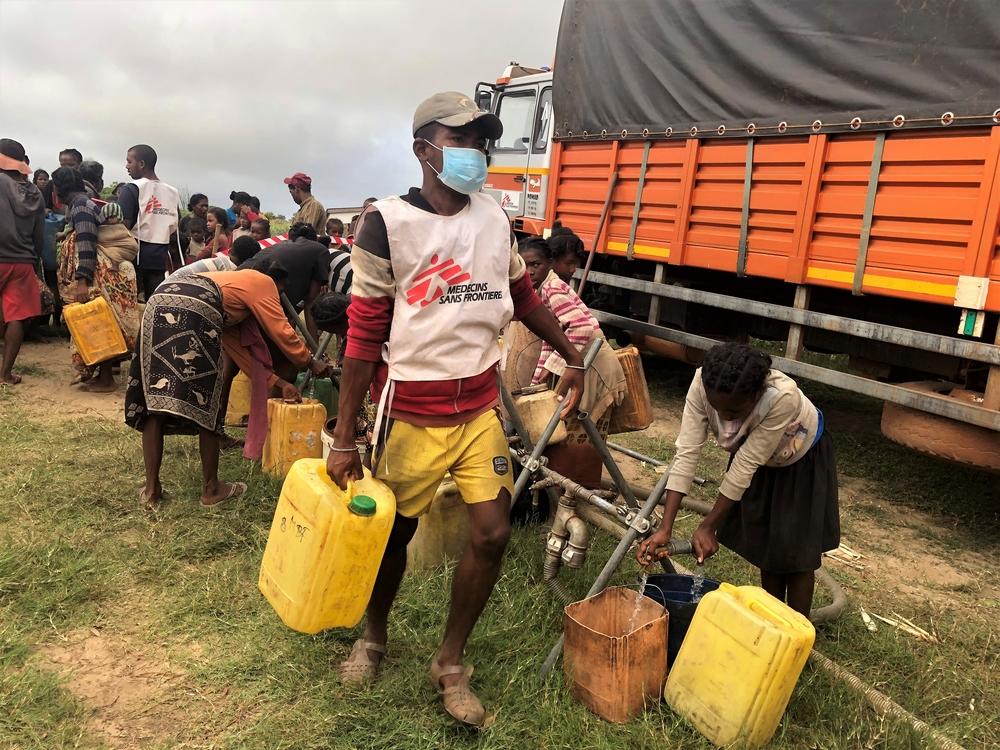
574	318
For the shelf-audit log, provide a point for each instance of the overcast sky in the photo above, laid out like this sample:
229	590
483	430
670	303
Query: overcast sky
238	95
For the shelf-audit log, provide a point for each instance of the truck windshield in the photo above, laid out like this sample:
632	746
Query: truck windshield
516	112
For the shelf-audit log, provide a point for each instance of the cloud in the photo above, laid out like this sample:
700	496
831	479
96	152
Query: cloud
239	95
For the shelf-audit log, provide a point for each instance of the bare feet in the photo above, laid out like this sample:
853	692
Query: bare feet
221	493
10	379
151	499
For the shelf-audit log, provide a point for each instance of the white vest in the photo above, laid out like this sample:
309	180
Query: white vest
452	289
157	220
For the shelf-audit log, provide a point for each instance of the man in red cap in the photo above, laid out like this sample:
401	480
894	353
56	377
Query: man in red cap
22	213
310	211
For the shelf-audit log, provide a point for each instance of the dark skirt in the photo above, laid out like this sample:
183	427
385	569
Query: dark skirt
788	516
177	370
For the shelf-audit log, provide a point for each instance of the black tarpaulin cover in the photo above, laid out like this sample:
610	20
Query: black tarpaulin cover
653	64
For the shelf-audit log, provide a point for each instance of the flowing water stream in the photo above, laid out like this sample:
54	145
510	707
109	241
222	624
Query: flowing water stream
638	600
697	584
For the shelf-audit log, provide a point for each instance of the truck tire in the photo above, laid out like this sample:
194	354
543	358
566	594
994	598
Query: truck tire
945	438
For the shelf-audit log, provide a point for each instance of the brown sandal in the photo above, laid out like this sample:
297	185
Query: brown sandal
358	668
459	700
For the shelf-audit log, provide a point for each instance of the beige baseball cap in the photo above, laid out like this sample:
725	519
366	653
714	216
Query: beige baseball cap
453	110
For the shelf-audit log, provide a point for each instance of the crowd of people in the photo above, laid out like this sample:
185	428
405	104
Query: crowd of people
420	289
96	241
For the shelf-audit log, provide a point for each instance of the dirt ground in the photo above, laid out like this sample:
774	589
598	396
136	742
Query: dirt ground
46	387
132	696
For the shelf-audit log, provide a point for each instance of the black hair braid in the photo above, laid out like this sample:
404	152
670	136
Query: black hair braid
736	369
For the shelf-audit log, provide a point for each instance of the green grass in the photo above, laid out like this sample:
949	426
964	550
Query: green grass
76	553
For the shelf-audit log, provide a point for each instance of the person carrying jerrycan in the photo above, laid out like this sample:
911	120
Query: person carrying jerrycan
437	276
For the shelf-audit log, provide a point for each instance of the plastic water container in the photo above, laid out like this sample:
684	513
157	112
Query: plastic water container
738	665
325	548
52	225
322	390
238	410
360	439
443	532
674	593
95	331
293	432
636	410
615	652
535	405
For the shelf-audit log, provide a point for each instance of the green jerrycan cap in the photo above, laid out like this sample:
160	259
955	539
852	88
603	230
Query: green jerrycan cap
362	505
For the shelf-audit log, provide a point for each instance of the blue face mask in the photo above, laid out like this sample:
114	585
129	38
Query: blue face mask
462	169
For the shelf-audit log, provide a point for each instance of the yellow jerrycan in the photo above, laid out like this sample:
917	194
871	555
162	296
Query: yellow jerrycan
738	665
95	331
294	431
443	531
238	410
325	547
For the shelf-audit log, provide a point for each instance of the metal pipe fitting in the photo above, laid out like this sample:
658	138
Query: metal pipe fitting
600	520
574	554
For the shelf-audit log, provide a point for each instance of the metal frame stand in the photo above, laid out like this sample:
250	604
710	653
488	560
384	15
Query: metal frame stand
634	518
628	520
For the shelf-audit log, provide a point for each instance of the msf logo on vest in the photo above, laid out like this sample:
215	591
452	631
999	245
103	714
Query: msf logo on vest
445	282
153	206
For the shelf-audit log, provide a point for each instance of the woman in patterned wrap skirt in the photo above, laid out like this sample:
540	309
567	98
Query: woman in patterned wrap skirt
175	381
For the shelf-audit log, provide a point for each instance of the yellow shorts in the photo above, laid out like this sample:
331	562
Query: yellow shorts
415	460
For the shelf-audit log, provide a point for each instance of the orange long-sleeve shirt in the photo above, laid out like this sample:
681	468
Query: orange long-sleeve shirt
246	293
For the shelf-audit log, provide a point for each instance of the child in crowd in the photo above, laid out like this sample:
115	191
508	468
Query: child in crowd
197	231
217	223
777	505
260	229
566	251
242	228
113	238
531	362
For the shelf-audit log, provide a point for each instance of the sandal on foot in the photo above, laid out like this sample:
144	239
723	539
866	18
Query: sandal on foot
236	489
358	668
459	700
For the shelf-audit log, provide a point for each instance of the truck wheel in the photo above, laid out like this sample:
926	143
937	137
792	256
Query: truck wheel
945	438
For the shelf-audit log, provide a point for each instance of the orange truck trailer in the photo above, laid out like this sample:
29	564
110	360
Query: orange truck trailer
823	174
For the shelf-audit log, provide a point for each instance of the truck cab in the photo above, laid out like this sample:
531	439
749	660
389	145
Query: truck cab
519	160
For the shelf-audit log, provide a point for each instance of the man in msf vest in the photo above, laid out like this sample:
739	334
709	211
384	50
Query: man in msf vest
437	276
152	212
